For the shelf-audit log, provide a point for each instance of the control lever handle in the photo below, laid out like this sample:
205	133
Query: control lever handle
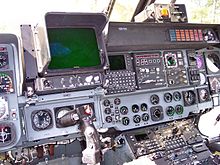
92	154
69	119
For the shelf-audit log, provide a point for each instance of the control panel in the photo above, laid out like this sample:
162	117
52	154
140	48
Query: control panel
10	121
148	84
121	76
178	143
68	83
149	70
42	119
148	108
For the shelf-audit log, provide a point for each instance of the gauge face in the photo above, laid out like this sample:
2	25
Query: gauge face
41	120
213	62
189	98
6	85
3	60
3	108
203	95
7	134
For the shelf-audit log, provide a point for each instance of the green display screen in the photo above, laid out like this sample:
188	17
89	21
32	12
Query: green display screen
117	62
73	48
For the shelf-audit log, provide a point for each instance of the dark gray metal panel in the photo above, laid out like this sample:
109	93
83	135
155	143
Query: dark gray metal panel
149	36
29	52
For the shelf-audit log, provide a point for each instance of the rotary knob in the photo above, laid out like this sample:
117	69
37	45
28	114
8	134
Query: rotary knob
125	121
136	118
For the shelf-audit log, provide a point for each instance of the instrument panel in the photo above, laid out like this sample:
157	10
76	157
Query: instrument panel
149	80
10	121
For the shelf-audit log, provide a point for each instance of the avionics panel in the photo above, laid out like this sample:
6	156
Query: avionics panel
120	78
149	69
171	84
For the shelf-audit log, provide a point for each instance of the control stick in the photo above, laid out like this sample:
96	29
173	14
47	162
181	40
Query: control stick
92	154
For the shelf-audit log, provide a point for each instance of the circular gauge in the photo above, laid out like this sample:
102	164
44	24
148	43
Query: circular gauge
213	62
7	134
41	119
203	95
189	97
3	60
3	108
6	83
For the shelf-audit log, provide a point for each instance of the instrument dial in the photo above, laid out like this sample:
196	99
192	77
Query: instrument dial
203	95
6	85
5	134
3	60
189	98
41	120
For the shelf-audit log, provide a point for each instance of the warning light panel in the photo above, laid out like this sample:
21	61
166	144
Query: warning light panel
182	35
192	35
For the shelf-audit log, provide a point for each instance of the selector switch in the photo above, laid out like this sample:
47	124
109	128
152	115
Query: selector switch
177	96
107	111
145	117
143	107
124	110
125	121
170	111
106	103
179	109
167	97
108	119
117	101
135	108
137	118
154	99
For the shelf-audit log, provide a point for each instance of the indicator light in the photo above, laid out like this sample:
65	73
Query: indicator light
164	12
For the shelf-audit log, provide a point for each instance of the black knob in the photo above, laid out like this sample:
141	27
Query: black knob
125	121
167	97
179	109
108	119
106	102
154	99
135	108
124	110
143	107
136	118
145	117
170	111
107	111
117	101
176	96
